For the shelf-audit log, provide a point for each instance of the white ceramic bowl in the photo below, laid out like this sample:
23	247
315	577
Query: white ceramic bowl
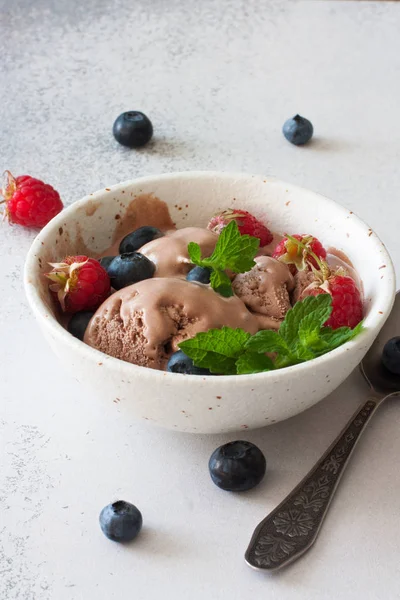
220	403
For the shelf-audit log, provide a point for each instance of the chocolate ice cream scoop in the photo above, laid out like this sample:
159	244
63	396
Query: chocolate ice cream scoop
302	281
144	323
265	289
170	253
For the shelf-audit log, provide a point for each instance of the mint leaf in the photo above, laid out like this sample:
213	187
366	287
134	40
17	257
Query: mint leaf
267	341
221	283
298	338
310	325
302	353
227	239
249	362
241	259
194	251
333	338
314	307
216	349
232	251
301	337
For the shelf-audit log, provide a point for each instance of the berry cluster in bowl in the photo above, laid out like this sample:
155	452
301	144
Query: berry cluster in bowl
232	298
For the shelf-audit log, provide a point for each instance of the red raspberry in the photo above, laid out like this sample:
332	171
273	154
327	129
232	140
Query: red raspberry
80	283
297	257
347	309
29	201
246	222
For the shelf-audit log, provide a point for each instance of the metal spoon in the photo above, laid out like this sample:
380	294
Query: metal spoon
292	528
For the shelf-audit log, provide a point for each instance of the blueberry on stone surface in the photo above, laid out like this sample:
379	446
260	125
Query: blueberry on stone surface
179	362
200	274
120	521
391	356
130	268
298	130
78	323
138	238
237	466
133	129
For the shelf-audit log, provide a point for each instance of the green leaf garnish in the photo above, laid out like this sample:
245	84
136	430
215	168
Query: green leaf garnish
232	251
301	337
267	341
216	349
333	338
221	283
315	309
194	253
249	362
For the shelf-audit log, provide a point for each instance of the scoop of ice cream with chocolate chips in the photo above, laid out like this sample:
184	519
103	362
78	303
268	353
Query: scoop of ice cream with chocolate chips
170	253
265	289
144	323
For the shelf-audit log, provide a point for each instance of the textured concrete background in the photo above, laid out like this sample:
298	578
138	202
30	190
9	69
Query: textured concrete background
217	79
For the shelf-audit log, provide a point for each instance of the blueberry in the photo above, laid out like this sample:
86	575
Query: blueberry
237	466
298	130
391	356
200	274
106	261
138	238
133	129
120	521
78	323
181	363
130	268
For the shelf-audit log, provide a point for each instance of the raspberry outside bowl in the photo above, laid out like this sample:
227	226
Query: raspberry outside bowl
218	403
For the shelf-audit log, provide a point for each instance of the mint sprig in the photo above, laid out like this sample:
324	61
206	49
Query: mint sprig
217	349
299	332
233	251
249	362
301	337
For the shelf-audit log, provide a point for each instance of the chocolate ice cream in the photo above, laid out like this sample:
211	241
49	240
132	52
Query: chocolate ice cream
265	289
170	253
144	323
302	281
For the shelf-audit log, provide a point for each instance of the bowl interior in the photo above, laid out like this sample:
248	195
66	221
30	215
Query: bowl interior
93	223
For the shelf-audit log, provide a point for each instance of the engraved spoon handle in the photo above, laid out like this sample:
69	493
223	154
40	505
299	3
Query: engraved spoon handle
291	528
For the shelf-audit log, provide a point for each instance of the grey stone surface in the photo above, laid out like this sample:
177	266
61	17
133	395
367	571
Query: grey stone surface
218	79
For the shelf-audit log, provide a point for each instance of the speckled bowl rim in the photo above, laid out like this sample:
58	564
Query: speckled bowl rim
372	322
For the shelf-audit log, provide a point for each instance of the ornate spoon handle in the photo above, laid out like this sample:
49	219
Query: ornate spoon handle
290	529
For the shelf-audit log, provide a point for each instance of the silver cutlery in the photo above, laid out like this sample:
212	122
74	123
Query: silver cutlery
292	528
